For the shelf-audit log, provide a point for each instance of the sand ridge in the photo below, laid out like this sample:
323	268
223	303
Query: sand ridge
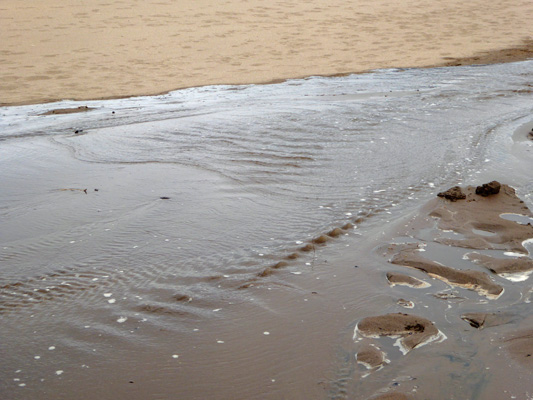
55	49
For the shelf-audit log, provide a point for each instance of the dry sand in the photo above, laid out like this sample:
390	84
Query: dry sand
54	49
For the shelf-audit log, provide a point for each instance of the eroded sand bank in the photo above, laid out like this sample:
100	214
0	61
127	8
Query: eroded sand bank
474	215
70	50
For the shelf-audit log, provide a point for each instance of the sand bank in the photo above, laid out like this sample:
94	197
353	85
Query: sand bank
473	214
70	50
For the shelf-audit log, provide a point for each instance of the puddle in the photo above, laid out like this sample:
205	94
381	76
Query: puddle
518	218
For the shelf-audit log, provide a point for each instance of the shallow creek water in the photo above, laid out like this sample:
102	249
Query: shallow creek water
136	238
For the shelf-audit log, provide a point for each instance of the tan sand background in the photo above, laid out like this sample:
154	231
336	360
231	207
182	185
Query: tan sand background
75	49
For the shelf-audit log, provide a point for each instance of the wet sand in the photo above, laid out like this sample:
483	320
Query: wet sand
68	50
315	321
129	271
475	216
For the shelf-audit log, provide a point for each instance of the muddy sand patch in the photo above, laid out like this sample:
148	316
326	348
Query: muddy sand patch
464	239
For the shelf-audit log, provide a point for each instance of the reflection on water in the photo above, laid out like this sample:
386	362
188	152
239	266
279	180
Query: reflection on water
155	214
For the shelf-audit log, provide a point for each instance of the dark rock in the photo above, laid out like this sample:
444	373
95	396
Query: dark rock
488	189
453	194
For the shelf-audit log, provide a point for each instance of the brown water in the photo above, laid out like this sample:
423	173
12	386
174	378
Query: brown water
117	293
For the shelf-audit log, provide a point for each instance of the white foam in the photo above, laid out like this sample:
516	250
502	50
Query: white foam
517	276
439	337
513	254
527	244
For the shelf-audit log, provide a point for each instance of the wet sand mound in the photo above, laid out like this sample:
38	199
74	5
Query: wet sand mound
520	347
371	357
477	218
486	320
412	331
473	280
405	280
502	266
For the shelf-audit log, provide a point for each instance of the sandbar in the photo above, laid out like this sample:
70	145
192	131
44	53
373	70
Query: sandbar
54	50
